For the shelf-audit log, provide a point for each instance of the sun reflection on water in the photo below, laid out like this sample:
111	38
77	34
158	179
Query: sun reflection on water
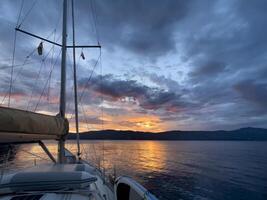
145	156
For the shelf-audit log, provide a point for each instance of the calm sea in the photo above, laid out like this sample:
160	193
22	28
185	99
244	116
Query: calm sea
217	170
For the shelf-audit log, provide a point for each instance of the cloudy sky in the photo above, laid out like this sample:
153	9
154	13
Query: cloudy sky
164	65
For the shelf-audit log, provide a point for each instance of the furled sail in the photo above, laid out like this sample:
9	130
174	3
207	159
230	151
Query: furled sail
24	126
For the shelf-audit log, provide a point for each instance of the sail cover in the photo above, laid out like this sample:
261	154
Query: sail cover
24	126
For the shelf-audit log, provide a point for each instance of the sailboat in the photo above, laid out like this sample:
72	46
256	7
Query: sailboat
68	176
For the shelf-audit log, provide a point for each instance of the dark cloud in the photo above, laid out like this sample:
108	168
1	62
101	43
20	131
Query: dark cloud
232	33
211	68
253	92
162	81
148	98
144	27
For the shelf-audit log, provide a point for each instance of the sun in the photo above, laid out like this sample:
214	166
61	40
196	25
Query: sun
145	124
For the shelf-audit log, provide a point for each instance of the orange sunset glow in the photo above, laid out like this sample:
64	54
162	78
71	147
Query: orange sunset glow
149	123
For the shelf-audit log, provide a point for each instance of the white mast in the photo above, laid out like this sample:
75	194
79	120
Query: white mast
61	142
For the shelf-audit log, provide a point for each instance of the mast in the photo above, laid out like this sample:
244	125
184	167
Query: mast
61	142
75	83
64	46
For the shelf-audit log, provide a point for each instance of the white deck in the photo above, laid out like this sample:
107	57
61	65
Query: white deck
79	181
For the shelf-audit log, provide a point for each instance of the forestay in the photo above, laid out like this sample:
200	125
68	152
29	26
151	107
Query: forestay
25	126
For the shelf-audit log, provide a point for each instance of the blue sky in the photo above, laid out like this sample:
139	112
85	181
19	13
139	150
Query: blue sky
189	65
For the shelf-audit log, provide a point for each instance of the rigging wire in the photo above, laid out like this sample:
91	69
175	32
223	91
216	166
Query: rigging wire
4	98
52	68
40	69
33	154
53	49
18	24
87	82
20	11
20	70
12	68
14	45
5	59
35	82
28	12
92	21
84	152
43	60
82	109
101	90
12	81
84	116
18	65
13	56
90	77
52	60
72	87
5	163
102	114
75	83
90	18
27	57
83	113
94	16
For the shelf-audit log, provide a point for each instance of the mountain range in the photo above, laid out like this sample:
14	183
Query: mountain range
245	134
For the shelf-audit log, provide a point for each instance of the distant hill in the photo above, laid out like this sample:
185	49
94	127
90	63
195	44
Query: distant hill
247	134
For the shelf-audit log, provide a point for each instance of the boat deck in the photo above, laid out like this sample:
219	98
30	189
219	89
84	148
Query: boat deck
55	181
